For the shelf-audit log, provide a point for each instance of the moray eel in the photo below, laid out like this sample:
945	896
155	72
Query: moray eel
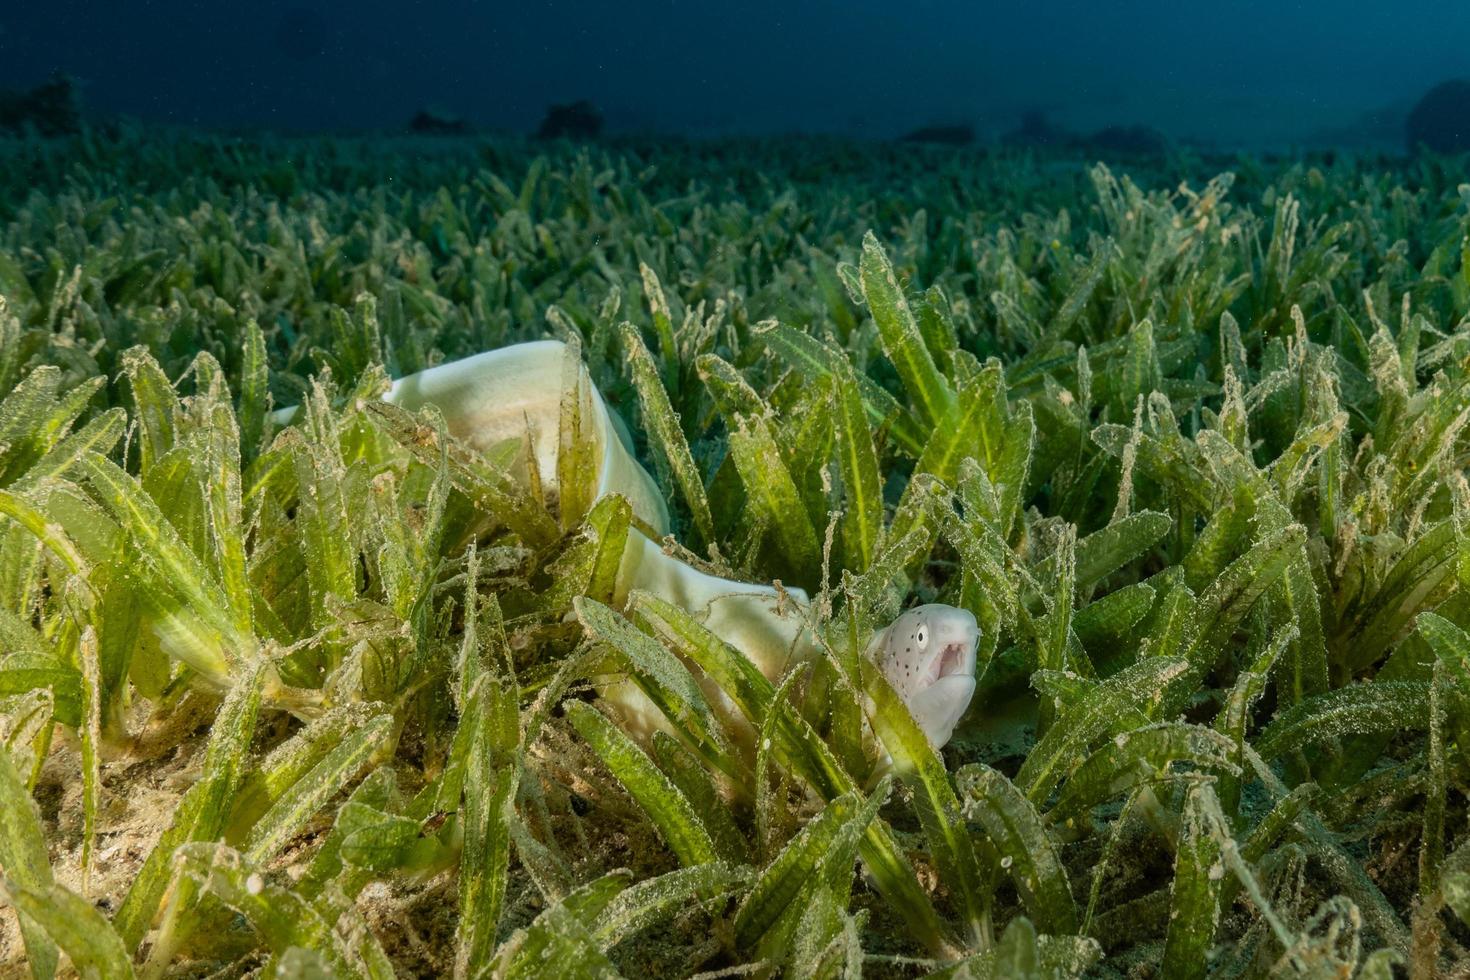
927	654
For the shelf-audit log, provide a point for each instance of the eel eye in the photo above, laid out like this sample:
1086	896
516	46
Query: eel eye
922	636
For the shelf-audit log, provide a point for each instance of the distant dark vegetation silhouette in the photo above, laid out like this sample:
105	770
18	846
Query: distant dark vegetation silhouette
578	120
1441	120
302	34
1129	142
961	135
52	109
432	122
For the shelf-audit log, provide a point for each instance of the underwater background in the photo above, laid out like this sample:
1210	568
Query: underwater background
1237	73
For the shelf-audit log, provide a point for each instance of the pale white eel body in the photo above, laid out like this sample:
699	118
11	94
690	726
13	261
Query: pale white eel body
928	653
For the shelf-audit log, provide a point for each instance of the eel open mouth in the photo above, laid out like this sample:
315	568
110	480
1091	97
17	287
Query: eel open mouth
957	657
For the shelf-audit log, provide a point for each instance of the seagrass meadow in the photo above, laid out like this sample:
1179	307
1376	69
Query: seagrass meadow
1188	437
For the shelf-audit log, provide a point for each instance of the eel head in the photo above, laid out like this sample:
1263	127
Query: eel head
928	655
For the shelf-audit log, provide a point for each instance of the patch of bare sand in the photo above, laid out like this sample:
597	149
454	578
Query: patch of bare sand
142	783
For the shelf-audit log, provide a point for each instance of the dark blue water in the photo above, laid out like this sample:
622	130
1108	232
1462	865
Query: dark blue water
1255	73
